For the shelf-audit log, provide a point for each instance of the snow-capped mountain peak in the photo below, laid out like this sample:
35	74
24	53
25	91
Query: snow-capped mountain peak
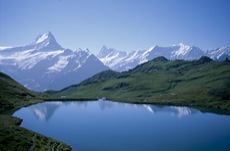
105	51
221	53
104	47
181	49
45	37
47	41
44	64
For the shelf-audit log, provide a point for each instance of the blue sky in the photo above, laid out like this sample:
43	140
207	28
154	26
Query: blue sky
121	24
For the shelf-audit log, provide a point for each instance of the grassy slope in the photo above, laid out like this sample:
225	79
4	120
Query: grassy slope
12	94
13	137
203	83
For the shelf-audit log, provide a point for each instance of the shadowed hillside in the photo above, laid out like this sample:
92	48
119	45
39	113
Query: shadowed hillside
14	95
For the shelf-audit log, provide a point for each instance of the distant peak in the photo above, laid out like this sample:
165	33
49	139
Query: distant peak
105	51
86	50
104	47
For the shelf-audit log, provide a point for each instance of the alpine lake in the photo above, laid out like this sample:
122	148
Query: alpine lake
102	125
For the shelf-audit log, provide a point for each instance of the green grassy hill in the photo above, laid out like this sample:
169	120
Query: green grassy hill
203	83
13	137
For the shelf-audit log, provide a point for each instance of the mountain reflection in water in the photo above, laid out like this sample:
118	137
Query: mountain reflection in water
44	111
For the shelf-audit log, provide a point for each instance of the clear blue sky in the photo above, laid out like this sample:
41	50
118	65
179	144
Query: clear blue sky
121	24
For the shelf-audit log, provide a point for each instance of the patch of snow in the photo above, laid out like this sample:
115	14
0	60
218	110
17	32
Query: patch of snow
42	38
62	62
4	47
29	60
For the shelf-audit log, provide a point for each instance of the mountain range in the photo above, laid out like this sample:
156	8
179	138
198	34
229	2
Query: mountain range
45	65
123	61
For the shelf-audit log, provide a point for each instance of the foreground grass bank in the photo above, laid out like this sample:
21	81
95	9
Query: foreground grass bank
13	96
13	137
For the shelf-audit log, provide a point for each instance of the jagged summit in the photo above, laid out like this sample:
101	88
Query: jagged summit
46	37
105	51
86	50
46	41
104	47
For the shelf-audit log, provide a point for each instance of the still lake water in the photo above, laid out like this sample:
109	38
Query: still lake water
111	126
